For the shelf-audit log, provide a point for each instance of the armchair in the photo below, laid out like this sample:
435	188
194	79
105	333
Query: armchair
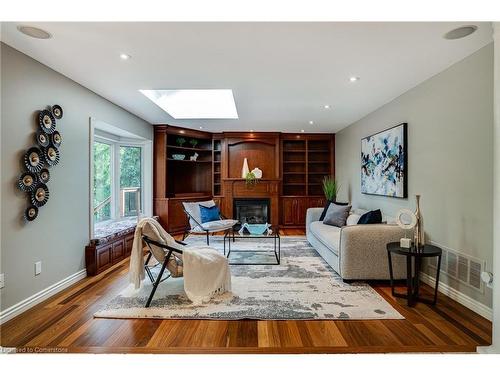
192	210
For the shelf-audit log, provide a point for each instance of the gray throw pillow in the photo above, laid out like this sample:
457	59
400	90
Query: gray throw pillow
336	215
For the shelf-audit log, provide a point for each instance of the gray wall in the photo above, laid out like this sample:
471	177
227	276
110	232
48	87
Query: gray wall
60	233
450	158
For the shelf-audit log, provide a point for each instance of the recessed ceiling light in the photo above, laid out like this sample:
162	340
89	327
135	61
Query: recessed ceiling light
201	127
195	104
302	130
354	79
124	56
34	32
181	131
460	32
251	130
326	106
311	122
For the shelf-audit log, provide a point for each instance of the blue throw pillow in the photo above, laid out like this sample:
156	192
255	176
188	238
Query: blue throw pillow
209	213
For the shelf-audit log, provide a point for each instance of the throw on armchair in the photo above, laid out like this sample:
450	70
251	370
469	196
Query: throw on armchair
355	252
210	222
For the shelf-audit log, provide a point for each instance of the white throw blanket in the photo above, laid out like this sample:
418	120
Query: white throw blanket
206	272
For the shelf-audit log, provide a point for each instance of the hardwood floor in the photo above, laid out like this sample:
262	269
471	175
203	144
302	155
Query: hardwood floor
65	323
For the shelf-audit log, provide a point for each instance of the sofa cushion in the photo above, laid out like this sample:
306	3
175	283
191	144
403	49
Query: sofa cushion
352	219
327	205
209	213
337	215
328	235
372	217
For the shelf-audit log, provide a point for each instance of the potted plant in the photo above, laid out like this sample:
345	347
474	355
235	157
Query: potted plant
193	142
251	179
330	188
180	141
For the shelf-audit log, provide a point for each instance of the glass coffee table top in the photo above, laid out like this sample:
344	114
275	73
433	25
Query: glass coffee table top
246	248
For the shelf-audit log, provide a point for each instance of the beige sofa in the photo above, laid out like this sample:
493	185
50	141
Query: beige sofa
356	252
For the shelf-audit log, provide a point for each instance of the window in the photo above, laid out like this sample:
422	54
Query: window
130	180
102	181
117	185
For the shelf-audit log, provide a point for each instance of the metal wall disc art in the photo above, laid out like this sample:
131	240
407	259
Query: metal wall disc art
51	156
40	195
33	160
39	158
47	121
27	181
31	213
44	175
57	111
56	139
42	138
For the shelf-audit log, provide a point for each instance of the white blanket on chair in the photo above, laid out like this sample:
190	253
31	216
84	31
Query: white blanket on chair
206	272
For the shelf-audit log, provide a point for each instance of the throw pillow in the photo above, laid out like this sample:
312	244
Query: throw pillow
337	215
327	204
371	217
209	214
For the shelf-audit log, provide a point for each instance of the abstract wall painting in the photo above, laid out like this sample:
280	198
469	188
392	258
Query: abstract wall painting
384	163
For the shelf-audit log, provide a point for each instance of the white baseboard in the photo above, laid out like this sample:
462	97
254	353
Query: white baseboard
36	298
463	299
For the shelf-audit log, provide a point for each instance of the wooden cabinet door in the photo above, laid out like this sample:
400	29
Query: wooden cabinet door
300	211
316	202
118	252
177	219
129	240
289	211
104	257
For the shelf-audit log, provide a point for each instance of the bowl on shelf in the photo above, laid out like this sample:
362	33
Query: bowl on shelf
178	156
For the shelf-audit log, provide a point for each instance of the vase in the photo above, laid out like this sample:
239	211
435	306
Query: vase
245	170
418	237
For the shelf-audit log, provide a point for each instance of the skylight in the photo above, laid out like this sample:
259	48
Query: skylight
195	104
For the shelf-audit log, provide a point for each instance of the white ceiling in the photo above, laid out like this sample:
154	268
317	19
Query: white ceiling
282	74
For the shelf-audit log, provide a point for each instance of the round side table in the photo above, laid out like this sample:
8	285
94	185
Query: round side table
414	256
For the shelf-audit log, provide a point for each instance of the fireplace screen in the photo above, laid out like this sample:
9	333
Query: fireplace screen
252	211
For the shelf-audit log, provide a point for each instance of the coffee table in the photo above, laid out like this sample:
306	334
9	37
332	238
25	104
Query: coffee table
233	235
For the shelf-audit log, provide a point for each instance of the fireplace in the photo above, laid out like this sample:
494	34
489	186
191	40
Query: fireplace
252	210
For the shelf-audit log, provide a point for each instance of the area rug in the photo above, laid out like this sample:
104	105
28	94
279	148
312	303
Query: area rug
302	287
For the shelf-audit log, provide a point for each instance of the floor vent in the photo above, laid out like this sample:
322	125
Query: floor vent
461	267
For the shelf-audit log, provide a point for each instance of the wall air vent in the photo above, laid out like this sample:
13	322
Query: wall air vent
461	267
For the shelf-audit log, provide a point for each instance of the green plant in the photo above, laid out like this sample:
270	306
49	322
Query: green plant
193	142
180	141
330	187
250	179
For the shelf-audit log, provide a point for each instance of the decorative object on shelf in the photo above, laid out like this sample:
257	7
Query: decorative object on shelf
245	170
57	111
384	163
418	238
46	121
250	179
178	156
56	139
31	213
257	172
256	228
44	175
42	138
193	142
406	220
180	141
40	195
27	181
34	160
51	156
194	157
34	179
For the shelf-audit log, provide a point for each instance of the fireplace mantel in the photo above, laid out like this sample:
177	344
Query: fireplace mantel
264	188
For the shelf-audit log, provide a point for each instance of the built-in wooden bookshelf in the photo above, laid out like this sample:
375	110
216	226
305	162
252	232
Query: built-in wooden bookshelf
217	167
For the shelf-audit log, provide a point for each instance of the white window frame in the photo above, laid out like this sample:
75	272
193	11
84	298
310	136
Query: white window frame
116	141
